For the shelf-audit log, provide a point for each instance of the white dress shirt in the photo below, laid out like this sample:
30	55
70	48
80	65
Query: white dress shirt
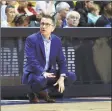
47	45
45	7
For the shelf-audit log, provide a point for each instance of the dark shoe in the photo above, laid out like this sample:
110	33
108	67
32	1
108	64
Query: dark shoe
33	98
46	97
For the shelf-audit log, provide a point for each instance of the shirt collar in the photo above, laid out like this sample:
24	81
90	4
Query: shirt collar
44	39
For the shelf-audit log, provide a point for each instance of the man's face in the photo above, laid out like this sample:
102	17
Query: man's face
46	26
11	13
89	4
109	8
64	12
73	21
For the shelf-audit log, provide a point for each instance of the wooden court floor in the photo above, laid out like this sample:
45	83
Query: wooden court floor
66	105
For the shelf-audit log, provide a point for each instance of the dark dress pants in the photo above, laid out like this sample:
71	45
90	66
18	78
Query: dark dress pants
39	82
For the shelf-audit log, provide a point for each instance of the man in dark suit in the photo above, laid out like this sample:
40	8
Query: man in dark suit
43	50
106	19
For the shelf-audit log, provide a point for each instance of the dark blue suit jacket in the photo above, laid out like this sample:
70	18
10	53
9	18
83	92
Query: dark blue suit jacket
35	54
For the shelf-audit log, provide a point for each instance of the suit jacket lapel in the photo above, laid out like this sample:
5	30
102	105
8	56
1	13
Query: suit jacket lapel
41	42
51	49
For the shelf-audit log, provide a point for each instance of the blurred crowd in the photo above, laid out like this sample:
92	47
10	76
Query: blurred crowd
68	14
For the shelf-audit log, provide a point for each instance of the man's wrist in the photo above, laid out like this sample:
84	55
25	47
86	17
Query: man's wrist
63	75
62	78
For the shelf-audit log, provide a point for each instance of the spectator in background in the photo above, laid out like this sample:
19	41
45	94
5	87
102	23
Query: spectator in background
93	16
21	20
100	3
3	7
45	7
58	20
22	8
10	13
106	19
63	8
35	20
31	9
84	8
13	3
72	19
26	7
34	4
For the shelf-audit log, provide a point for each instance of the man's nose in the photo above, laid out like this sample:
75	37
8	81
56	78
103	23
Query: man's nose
44	25
13	14
75	18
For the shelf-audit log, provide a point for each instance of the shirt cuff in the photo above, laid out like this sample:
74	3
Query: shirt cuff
44	74
63	75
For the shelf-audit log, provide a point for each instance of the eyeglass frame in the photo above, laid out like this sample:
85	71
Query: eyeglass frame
74	17
46	24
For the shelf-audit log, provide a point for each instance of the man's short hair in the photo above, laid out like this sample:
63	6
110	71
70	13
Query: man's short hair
73	13
8	6
49	17
105	3
61	6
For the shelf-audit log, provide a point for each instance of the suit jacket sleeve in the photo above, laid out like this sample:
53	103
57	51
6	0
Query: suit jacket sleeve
30	51
61	61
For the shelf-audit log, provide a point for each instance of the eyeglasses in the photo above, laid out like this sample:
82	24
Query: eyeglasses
74	18
46	24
